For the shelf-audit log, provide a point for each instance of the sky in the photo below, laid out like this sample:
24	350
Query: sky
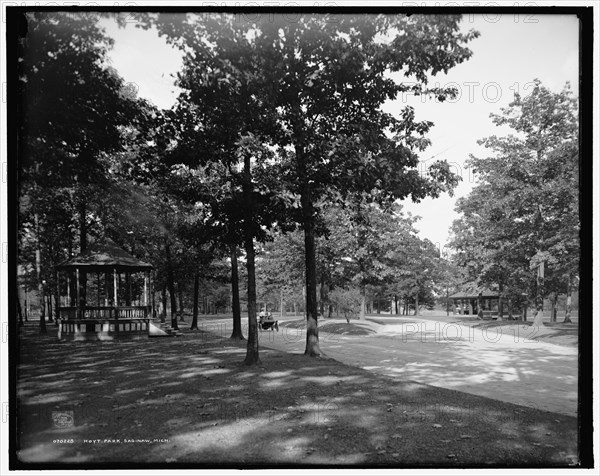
511	51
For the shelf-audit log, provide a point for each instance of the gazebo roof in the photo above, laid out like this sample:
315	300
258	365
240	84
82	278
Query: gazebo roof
103	258
474	294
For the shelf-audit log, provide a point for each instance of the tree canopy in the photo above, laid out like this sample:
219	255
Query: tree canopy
523	214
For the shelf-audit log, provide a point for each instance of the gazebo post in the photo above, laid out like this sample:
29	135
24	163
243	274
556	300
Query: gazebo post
115	296
98	288
145	288
127	288
68	289
78	294
106	293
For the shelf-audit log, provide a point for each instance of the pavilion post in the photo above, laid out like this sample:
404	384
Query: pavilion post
68	289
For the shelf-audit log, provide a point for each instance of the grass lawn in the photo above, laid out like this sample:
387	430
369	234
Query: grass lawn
188	399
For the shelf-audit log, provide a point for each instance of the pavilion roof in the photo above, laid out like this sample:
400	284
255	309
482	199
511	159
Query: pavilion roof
474	294
104	257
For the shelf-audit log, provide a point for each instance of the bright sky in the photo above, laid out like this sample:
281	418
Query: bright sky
510	53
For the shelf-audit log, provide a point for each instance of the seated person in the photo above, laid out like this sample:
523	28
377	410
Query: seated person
265	316
266	321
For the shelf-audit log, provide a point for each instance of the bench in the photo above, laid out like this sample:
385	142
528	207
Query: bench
489	314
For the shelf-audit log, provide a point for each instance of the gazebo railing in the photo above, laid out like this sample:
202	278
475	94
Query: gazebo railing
132	312
98	312
105	312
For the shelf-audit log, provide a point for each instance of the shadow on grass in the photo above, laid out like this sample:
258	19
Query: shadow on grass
337	328
189	400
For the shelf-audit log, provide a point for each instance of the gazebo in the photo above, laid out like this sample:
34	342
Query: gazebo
468	302
112	276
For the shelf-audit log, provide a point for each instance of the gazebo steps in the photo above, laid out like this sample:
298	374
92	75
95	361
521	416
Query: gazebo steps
165	330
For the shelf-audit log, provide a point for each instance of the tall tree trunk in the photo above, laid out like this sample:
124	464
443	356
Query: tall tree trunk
19	312
568	308
501	302
235	296
252	356
57	299
312	331
539	298
49	303
378	305
180	292
153	294
163	313
363	300
308	224
417	303
510	314
26	304
321	296
447	302
553	310
82	248
171	285
38	268
196	295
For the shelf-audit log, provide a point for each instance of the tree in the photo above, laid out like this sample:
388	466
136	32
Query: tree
370	244
450	277
223	122
73	106
520	225
324	84
328	83
280	267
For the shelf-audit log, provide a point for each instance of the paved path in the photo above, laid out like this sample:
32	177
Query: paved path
508	365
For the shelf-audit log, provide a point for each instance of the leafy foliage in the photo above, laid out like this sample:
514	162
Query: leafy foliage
524	211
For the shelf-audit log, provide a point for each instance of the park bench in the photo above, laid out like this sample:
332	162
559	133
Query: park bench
267	323
489	314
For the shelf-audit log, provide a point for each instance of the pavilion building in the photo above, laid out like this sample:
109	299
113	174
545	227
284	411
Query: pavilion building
468	302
